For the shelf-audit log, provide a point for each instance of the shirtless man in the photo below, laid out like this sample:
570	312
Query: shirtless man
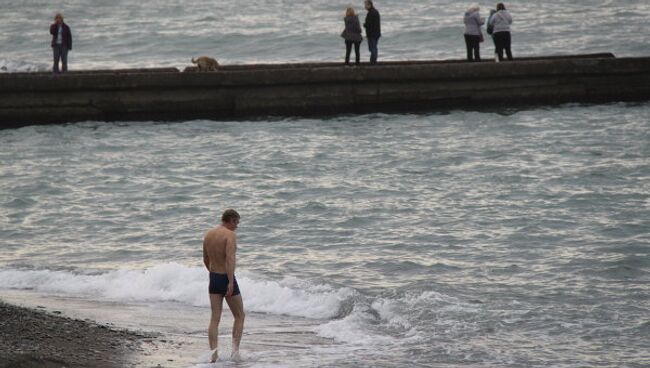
219	248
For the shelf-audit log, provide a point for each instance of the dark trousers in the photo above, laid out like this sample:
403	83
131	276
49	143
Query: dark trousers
60	53
502	42
473	49
348	50
372	47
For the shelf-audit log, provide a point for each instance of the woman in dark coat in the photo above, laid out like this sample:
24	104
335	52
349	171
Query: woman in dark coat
352	35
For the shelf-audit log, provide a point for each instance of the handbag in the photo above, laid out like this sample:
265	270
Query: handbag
480	37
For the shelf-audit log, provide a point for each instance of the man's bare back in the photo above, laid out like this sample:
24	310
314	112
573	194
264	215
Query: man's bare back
219	248
216	244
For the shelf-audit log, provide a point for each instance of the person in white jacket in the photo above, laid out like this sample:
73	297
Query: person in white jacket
501	21
473	35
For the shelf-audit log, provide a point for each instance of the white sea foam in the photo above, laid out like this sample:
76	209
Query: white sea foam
372	322
296	298
13	66
173	282
398	320
354	329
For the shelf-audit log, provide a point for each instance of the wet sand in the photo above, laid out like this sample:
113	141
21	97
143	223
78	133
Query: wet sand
167	335
36	338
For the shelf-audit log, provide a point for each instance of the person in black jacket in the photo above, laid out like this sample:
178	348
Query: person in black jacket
352	35
373	30
61	43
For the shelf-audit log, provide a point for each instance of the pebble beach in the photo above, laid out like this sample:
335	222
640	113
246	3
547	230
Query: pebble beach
37	338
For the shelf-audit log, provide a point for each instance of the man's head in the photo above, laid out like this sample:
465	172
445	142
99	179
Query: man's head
58	18
368	4
501	6
230	219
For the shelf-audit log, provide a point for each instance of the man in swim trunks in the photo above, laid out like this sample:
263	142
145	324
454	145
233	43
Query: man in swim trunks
219	248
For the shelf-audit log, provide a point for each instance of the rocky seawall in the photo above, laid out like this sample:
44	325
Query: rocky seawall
246	91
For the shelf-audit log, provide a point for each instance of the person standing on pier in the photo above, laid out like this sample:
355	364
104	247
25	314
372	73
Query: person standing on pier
473	34
373	30
490	31
501	22
352	35
61	43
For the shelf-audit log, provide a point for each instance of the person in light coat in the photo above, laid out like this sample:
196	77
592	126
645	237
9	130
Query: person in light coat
501	21
473	35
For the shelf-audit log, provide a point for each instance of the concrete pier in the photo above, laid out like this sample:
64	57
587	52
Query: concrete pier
242	91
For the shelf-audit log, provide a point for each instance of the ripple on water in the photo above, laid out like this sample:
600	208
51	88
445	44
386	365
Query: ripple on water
423	215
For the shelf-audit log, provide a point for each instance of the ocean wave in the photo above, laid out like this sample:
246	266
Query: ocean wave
173	282
342	314
15	66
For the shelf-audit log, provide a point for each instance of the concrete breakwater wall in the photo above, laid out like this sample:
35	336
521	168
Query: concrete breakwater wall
318	88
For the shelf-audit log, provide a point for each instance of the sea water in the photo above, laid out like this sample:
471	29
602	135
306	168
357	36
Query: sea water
516	237
168	33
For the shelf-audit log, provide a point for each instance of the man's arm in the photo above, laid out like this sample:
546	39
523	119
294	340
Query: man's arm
69	38
206	259
231	249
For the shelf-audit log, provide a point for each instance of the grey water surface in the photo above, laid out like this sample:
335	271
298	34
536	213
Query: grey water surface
516	238
466	238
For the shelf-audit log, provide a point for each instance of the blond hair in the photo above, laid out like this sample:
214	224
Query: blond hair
349	12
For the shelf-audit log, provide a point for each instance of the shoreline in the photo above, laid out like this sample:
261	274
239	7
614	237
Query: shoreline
162	335
38	338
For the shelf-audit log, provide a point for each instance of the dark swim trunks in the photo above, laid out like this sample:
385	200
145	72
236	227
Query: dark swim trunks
219	284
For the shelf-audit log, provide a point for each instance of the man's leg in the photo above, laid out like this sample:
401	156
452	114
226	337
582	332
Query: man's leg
64	58
216	305
56	51
376	56
357	53
236	305
372	47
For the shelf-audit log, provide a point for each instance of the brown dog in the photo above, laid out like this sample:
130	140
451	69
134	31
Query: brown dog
206	64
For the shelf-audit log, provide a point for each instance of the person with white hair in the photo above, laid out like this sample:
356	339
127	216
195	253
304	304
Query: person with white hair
473	34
